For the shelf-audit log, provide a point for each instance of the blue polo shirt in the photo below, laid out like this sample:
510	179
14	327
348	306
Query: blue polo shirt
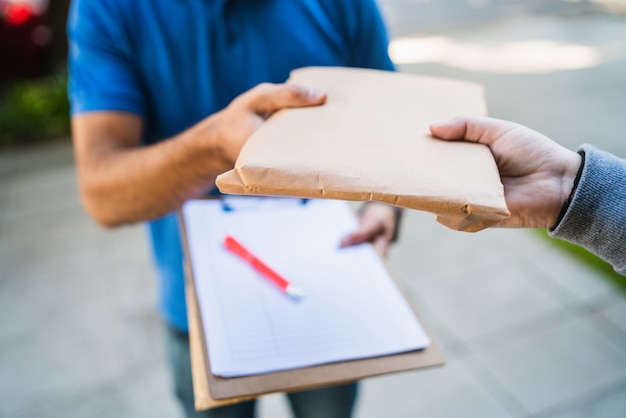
175	62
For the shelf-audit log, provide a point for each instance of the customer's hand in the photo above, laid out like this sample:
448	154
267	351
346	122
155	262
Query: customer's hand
537	173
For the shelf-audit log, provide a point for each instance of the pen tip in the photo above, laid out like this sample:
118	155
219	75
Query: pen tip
295	292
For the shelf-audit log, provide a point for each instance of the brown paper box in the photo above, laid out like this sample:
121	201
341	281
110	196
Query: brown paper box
371	141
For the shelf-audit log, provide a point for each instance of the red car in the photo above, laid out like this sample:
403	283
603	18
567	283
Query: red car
25	38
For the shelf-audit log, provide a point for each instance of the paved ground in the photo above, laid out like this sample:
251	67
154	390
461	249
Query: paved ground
527	330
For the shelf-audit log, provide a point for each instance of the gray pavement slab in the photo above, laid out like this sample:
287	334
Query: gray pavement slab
410	16
429	393
616	313
608	405
557	365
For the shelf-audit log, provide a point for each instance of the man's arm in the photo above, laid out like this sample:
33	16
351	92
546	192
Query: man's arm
123	182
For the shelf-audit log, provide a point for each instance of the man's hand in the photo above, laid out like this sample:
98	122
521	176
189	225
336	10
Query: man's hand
537	173
237	122
377	225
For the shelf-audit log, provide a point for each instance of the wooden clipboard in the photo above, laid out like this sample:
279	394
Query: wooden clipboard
211	391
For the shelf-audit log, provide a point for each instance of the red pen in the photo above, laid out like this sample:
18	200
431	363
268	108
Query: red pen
236	248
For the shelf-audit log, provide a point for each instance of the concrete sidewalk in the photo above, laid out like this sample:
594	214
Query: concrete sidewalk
527	330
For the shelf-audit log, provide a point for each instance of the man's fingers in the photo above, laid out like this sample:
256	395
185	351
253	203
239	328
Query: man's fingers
367	232
355	238
267	98
381	245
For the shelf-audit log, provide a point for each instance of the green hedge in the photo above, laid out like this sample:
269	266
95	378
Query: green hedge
34	110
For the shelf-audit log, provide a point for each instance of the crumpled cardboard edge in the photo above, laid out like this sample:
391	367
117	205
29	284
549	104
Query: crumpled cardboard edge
470	218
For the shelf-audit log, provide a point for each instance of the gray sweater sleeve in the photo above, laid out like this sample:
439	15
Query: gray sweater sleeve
596	217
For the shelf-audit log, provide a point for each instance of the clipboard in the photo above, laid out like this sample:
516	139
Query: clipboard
211	391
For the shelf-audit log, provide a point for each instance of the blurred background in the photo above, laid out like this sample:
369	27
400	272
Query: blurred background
531	327
33	49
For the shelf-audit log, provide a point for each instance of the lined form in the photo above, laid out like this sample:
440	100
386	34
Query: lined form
352	308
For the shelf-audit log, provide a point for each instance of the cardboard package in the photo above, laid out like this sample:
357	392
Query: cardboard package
371	141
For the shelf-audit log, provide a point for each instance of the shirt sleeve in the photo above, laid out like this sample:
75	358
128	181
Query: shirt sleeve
369	40
101	74
596	217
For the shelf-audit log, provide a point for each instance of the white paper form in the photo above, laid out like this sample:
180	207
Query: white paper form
352	309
